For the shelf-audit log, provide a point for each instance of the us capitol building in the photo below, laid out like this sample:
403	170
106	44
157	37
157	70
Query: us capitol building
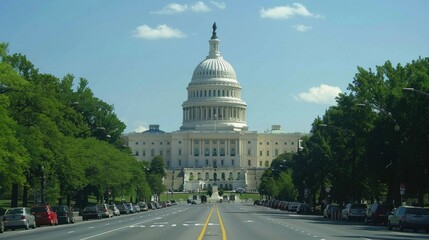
213	145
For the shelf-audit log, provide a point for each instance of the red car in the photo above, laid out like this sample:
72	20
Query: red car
44	215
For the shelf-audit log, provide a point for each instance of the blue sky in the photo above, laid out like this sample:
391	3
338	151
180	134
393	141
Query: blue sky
291	57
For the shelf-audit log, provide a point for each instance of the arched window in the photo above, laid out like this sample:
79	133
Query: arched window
223	176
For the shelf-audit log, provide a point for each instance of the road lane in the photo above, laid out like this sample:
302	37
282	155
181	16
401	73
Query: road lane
194	222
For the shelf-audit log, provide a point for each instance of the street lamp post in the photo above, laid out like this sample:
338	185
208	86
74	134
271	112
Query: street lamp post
415	90
388	114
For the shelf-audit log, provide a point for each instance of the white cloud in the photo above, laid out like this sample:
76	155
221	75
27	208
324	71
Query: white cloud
160	32
286	12
172	8
141	129
200	7
220	5
324	94
302	28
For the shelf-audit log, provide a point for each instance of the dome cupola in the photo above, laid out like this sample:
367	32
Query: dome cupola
214	95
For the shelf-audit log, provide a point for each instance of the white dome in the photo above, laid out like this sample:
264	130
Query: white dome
214	95
213	68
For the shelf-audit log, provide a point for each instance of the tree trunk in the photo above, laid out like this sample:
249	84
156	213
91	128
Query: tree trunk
14	199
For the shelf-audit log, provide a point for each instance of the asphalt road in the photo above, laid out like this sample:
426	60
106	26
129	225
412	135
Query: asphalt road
221	221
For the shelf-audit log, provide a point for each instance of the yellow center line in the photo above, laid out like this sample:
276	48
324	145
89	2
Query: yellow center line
205	225
221	224
203	231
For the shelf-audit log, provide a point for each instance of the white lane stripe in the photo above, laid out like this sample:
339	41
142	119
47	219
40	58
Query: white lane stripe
116	229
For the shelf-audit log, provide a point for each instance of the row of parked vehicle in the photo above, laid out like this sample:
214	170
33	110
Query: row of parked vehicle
23	217
403	217
297	207
100	211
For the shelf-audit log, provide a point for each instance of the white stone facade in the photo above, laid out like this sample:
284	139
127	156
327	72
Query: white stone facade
214	145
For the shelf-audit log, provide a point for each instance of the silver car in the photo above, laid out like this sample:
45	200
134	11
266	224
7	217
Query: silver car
20	217
409	217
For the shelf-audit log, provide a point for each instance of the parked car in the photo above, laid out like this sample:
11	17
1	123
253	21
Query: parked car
378	213
143	206
64	214
105	211
20	217
91	212
303	209
329	209
150	206
130	207
406	217
44	215
240	190
355	211
123	209
115	210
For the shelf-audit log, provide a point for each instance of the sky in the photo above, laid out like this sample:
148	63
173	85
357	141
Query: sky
292	58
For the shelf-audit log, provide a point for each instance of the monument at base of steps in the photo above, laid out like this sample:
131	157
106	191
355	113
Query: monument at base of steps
215	195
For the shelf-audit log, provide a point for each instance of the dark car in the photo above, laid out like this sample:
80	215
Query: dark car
130	206
64	214
378	213
303	209
91	212
44	215
406	217
123	209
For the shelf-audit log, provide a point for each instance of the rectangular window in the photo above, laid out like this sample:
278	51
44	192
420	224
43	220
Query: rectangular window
152	152
214	152
268	153
232	162
161	152
248	152
260	153
144	153
168	163
196	162
260	163
249	163
196	152
207	162
232	152
180	152
207	152
221	162
276	152
180	162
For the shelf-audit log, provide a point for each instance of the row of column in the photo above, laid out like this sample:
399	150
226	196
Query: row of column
228	145
214	113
